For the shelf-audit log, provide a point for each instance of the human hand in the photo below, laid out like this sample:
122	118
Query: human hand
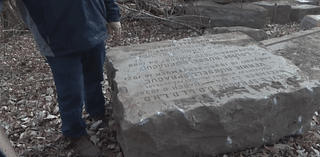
114	29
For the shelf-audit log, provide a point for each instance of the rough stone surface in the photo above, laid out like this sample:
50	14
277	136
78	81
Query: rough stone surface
278	12
5	146
301	48
299	11
210	14
310	21
205	96
256	34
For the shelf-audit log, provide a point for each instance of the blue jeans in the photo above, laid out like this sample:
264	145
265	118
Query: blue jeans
78	81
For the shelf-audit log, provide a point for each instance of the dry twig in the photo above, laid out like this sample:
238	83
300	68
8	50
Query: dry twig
159	18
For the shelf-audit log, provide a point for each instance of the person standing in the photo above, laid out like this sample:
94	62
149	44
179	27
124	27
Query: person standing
71	35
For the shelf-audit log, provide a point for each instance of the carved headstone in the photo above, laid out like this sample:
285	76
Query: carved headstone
205	96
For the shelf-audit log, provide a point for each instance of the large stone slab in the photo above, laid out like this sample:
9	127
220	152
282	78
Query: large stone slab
299	11
278	11
5	146
205	96
209	14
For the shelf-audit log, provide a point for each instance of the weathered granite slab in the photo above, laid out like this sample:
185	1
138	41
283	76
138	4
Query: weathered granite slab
299	11
309	22
205	96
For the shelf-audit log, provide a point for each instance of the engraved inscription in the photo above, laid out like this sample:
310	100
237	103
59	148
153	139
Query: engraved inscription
188	68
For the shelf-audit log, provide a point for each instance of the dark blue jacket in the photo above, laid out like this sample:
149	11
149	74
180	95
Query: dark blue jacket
62	27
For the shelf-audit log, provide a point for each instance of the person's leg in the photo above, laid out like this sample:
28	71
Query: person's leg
92	62
68	77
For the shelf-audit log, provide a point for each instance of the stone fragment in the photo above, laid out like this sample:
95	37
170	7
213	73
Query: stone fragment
5	146
309	22
278	11
209	14
256	34
206	96
299	11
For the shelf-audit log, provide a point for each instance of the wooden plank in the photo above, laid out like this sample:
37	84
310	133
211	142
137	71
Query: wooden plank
5	145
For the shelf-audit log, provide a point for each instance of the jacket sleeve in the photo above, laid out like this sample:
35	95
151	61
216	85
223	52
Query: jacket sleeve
1	4
113	11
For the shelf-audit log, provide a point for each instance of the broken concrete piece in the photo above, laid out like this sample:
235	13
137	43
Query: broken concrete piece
309	22
5	146
300	11
256	34
278	11
205	96
209	14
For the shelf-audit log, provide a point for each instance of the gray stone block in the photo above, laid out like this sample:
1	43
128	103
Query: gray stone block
206	95
209	15
256	34
278	11
299	11
309	22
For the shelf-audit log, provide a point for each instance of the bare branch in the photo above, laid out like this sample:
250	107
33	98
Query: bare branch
141	12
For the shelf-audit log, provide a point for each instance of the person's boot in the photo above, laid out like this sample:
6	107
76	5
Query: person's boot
85	147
